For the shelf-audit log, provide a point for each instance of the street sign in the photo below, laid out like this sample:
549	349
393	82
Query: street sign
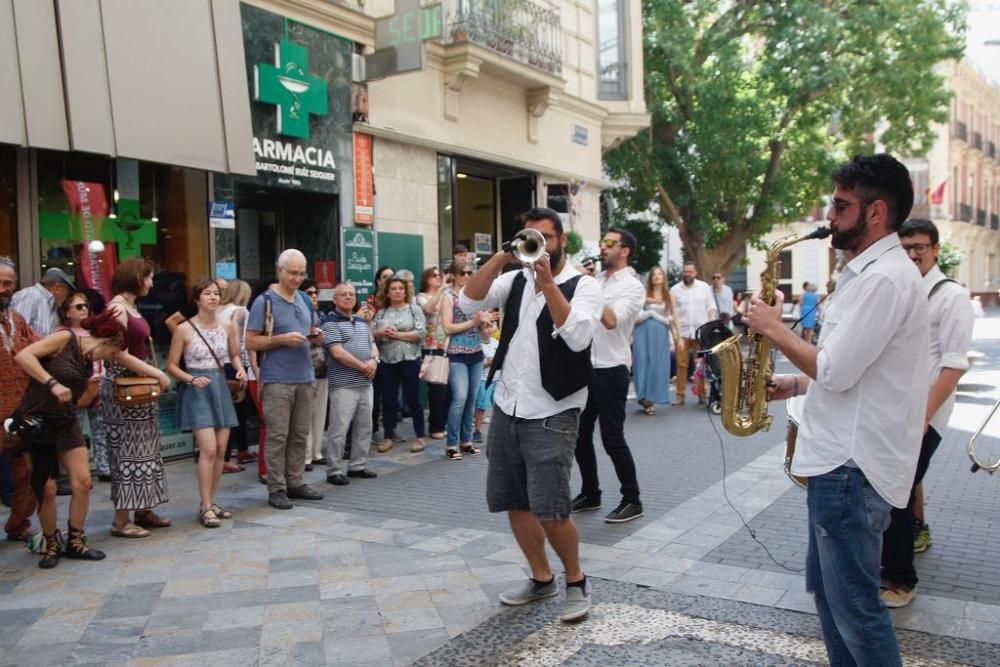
399	39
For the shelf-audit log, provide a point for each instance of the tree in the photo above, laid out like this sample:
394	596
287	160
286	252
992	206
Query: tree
649	237
949	258
753	103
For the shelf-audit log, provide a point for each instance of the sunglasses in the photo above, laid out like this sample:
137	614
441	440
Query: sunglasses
716	277
609	243
81	306
312	292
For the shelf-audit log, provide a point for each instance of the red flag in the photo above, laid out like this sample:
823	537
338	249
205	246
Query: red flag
937	197
88	208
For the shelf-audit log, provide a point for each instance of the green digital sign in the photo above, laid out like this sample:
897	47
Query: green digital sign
399	38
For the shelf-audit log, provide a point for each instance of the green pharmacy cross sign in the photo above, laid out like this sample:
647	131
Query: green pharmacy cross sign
289	85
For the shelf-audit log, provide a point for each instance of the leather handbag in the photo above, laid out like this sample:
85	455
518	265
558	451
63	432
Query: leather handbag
139	389
237	389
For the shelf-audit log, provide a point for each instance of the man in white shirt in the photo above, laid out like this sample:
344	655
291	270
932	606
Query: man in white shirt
695	304
611	355
866	397
723	295
550	314
951	321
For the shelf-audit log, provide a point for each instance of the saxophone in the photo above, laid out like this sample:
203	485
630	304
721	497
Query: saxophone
744	387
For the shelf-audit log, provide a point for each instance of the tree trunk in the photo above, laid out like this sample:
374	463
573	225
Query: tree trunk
726	254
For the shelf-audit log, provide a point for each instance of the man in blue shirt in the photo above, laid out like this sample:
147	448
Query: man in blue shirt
40	302
280	329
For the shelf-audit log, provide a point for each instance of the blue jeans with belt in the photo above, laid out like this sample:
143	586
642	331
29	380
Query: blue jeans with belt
846	520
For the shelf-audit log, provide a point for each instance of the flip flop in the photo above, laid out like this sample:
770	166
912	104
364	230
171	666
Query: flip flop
129	530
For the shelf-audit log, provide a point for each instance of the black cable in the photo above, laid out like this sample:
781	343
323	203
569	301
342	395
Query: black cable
725	494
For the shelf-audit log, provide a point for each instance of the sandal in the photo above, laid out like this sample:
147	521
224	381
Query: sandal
228	467
221	513
208	518
129	530
150	519
471	451
650	410
453	454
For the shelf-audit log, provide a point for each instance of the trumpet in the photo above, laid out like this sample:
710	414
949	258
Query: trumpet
528	246
977	464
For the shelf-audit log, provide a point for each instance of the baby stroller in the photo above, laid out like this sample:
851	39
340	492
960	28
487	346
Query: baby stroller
709	335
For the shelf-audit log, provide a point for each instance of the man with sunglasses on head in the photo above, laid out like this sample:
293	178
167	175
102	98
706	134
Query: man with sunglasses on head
611	355
952	319
865	384
723	295
551	311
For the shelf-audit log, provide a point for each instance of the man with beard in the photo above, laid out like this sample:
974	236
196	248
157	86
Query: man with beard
695	304
866	398
551	311
611	355
16	335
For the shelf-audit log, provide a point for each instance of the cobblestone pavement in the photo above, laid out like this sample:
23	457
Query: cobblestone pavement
408	567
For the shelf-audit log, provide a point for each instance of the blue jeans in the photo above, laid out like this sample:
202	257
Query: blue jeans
846	520
464	382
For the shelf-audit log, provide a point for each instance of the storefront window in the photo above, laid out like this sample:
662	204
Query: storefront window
95	212
8	202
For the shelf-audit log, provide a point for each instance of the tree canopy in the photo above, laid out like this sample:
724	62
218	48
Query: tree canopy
753	103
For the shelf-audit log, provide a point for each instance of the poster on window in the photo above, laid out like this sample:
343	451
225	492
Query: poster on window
87	210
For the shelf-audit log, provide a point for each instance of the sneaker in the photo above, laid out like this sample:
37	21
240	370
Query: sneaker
337	479
304	492
279	501
418	446
584	503
529	591
894	598
477	436
922	542
577	604
363	473
625	511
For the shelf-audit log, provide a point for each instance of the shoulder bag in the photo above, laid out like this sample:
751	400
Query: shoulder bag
139	389
237	389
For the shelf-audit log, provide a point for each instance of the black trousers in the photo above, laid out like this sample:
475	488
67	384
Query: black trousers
438	399
606	401
897	541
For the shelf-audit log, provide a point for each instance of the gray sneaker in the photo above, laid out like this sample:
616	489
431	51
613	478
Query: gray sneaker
577	604
529	592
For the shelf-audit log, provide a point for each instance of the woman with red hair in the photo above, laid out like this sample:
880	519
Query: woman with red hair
60	367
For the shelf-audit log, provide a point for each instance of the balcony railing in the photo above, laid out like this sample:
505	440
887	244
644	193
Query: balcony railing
965	212
995	221
524	30
960	131
991	149
981	217
977	141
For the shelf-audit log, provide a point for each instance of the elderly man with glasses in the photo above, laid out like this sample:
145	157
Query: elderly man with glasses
280	330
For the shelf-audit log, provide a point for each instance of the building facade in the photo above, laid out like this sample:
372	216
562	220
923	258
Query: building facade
957	185
363	133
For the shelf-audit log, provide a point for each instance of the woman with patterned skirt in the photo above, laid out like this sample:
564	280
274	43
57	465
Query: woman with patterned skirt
133	432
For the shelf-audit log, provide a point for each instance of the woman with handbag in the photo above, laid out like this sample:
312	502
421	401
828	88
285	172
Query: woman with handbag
435	341
205	399
465	360
131	413
60	367
399	327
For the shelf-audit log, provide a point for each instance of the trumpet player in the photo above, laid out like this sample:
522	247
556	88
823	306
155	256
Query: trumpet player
951	320
865	401
551	311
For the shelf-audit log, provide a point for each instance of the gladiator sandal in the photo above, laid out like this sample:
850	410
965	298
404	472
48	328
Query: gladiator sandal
50	557
76	546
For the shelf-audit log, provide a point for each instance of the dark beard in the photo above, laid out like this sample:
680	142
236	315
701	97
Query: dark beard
688	280
848	239
4	300
554	258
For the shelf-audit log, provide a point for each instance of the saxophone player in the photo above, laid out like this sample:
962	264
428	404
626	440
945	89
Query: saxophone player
866	394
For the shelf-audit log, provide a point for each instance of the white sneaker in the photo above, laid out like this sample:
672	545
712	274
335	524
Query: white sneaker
577	604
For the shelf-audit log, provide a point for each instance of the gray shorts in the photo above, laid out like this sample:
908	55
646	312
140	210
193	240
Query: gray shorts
530	461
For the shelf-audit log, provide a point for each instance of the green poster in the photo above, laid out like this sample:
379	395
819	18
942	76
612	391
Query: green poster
359	259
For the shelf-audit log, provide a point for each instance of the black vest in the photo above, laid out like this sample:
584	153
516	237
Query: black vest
563	371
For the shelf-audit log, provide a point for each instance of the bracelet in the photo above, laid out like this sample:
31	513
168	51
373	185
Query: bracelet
795	385
51	382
